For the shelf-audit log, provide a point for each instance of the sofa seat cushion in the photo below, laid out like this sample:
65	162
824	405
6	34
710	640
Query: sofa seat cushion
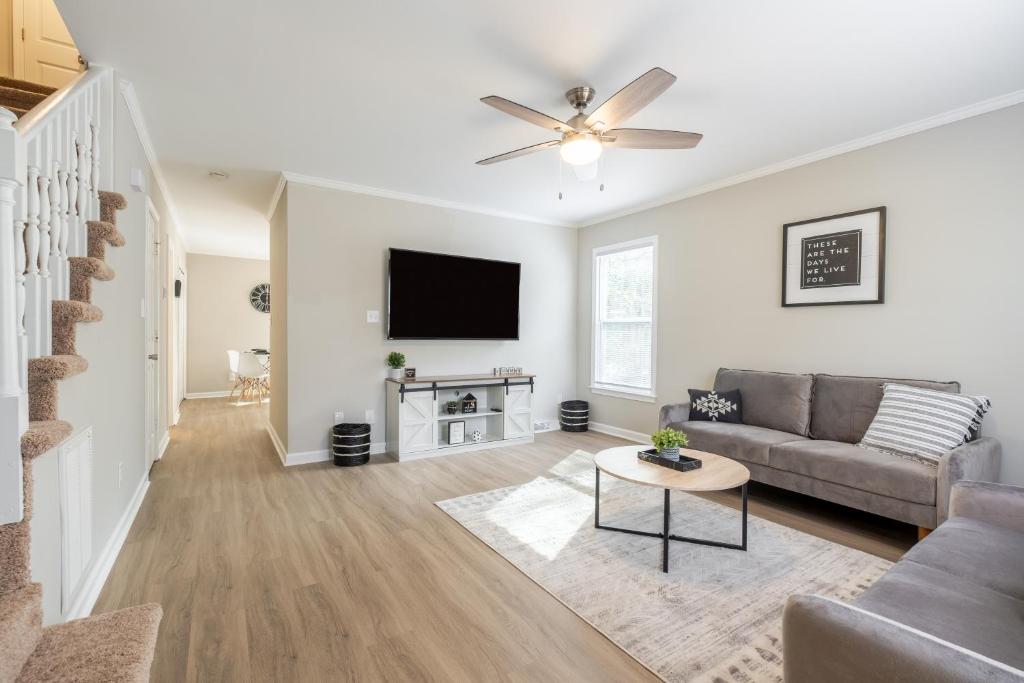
773	400
983	553
859	468
980	619
736	441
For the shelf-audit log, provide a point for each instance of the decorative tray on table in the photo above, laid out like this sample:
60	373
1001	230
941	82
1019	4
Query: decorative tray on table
683	464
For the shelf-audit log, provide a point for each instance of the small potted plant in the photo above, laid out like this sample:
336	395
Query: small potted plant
668	442
396	363
451	407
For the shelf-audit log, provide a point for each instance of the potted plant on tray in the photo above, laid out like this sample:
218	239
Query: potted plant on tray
396	363
668	442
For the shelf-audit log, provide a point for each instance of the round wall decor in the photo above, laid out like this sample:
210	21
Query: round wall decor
259	297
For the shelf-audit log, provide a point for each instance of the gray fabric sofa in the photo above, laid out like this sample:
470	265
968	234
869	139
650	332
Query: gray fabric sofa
800	432
951	610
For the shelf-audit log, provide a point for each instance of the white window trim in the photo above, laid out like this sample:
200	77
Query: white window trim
616	391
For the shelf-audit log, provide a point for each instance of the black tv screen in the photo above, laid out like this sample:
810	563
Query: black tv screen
437	296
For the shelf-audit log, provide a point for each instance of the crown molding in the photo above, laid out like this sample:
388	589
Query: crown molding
276	197
131	101
952	116
414	198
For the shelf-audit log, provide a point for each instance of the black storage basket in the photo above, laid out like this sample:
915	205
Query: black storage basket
574	416
350	444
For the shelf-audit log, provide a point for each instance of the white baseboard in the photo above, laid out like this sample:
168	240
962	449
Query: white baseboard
282	452
207	394
164	442
97	575
307	457
639	437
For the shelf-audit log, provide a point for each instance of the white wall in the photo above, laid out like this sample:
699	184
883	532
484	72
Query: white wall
220	317
279	317
110	395
337	257
953	289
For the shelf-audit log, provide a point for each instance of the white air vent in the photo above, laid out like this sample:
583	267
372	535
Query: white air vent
75	473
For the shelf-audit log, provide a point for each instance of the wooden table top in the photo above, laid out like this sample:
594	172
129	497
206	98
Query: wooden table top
717	473
428	379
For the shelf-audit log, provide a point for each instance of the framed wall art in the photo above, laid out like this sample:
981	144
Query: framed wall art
835	260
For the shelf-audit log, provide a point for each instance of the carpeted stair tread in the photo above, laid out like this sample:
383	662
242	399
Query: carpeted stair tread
52	368
101	234
116	646
15	552
21	625
17	111
27	86
110	204
76	311
19	98
42	435
85	269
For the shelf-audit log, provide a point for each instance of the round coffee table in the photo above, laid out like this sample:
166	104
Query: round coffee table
716	473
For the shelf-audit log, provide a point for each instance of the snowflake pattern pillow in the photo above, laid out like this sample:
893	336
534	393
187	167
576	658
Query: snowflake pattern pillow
711	406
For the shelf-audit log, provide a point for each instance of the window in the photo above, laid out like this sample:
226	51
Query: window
625	283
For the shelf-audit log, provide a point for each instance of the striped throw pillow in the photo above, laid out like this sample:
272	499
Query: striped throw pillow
922	424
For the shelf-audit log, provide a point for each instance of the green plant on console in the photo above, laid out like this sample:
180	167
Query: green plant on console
396	360
668	438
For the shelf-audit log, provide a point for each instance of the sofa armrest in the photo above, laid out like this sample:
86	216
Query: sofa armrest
827	640
976	460
999	504
673	413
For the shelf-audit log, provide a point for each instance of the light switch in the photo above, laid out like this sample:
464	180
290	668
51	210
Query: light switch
373	316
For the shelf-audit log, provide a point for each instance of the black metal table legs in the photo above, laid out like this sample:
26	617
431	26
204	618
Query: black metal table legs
665	535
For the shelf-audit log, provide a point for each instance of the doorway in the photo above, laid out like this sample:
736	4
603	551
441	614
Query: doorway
152	308
38	47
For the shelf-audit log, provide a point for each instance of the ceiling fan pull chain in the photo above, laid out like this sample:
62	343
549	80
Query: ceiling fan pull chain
600	173
559	179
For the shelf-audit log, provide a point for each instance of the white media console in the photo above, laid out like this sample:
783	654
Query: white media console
418	424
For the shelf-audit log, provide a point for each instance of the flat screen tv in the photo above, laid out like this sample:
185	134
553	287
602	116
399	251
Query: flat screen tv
437	296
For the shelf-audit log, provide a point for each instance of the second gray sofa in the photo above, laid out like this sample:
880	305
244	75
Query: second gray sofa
800	432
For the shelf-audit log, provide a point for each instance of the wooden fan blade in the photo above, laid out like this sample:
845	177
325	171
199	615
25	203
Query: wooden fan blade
523	151
644	138
526	114
630	99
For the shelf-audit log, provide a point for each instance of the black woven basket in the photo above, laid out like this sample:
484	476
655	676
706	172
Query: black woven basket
574	416
350	444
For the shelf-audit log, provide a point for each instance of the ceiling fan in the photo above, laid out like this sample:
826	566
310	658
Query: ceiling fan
584	136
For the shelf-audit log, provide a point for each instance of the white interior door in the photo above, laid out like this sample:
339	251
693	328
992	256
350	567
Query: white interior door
152	313
418	415
518	412
44	51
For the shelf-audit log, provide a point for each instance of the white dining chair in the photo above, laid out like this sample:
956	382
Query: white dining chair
254	377
233	359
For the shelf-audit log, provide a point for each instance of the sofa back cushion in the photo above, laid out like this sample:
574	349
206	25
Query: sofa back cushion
774	400
844	406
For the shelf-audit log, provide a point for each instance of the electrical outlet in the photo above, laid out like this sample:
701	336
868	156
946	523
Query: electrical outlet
369	416
120	474
373	316
339	417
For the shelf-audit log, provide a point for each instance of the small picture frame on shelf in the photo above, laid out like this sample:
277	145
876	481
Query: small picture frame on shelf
456	432
410	373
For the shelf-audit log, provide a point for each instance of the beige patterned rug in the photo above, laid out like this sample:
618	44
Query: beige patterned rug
716	616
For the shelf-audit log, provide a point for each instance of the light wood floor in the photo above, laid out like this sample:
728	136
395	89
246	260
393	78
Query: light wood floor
322	573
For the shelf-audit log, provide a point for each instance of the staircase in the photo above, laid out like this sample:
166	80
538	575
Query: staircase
55	228
21	96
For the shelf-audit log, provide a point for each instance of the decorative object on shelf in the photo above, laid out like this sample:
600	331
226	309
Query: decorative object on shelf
712	406
574	416
396	365
259	297
680	463
451	407
410	373
350	444
469	403
477	436
835	260
507	371
668	441
456	432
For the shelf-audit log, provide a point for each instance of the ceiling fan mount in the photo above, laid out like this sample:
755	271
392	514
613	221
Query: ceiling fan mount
584	136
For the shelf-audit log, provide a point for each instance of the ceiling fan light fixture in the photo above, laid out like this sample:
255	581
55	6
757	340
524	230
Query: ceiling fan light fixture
580	149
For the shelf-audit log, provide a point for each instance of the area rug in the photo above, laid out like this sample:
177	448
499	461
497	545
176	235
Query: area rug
716	616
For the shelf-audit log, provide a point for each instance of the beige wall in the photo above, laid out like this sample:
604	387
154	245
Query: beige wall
953	280
337	256
220	317
279	317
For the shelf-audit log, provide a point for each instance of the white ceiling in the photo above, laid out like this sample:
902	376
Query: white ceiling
385	94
